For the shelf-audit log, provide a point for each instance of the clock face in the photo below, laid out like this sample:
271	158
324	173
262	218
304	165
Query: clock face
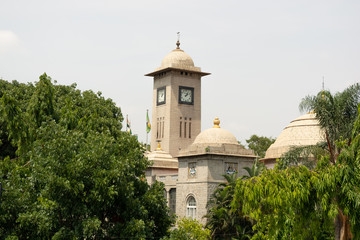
186	95
161	95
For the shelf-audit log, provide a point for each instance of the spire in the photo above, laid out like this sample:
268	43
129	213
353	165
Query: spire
178	41
323	89
216	123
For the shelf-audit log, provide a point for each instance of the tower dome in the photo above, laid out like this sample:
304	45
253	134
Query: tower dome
177	59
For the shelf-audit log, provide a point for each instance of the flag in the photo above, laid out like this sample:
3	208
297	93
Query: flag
128	126
148	125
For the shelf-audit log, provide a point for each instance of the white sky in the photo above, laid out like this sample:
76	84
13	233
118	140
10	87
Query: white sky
264	56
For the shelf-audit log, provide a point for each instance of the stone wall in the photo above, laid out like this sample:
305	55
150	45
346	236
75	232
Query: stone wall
209	171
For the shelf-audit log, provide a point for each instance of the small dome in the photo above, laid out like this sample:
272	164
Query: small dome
304	130
216	141
161	159
177	58
215	135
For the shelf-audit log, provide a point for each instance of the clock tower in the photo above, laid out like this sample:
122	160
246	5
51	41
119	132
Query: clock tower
176	110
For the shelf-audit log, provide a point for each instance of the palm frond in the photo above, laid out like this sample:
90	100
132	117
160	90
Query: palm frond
307	104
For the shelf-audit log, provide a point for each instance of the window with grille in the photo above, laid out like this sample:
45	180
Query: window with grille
191	207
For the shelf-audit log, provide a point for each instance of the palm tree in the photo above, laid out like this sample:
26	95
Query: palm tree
223	221
255	170
336	114
302	155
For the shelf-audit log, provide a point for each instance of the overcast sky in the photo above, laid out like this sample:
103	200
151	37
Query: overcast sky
264	56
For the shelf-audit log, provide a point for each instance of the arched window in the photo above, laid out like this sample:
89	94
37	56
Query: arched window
172	200
191	207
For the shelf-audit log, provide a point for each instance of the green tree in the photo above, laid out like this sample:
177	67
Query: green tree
22	93
189	229
299	203
285	205
348	181
259	144
223	221
76	175
302	155
337	114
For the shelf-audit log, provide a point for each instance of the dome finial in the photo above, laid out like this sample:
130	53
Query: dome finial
178	41
216	123
158	147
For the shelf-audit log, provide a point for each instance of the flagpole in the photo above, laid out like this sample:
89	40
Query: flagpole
147	112
126	122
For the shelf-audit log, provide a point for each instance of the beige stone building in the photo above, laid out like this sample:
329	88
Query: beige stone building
214	153
192	163
189	162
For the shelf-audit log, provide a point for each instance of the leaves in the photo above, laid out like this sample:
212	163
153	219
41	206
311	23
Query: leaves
302	155
336	113
255	170
283	204
348	180
259	144
294	202
76	175
189	229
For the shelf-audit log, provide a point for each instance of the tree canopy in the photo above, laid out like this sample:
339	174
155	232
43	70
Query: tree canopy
298	203
337	114
68	170
295	202
259	144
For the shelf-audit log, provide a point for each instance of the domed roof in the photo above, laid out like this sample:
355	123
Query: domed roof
177	58
304	130
215	135
216	141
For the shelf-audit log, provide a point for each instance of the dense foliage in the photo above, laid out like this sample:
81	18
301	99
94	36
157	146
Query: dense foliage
68	170
189	229
298	203
294	202
303	155
285	205
336	114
